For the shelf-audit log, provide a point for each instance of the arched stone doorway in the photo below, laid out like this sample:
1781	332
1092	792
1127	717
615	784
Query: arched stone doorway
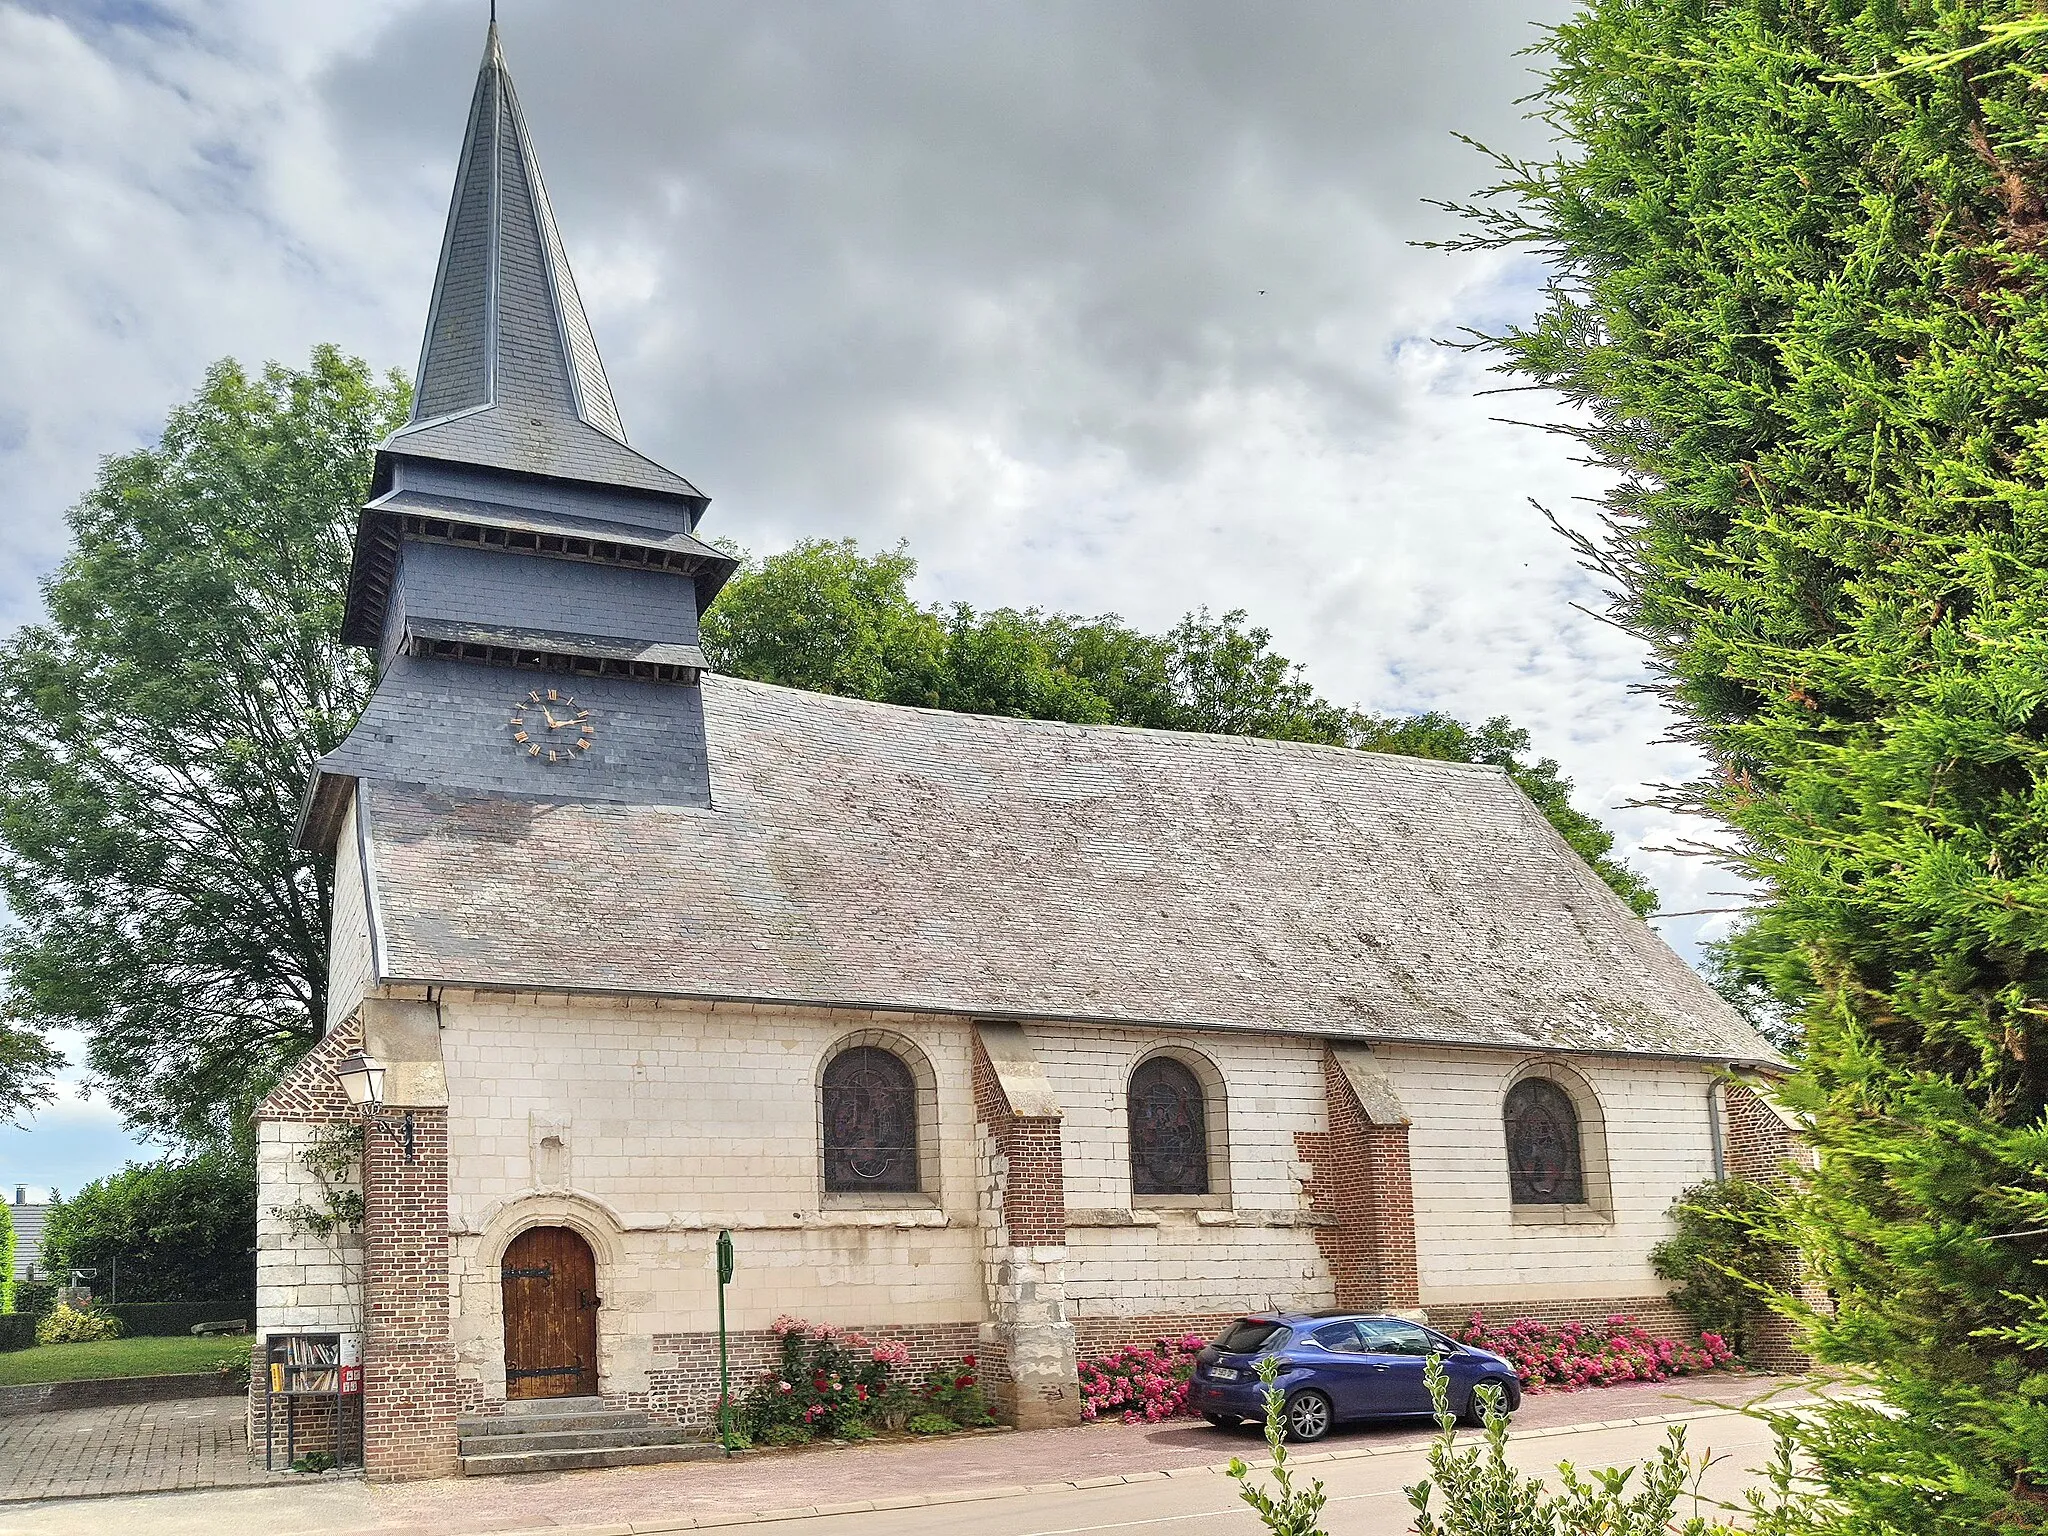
550	1287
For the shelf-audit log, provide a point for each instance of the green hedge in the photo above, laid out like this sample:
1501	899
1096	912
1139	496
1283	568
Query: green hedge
17	1330
166	1319
34	1298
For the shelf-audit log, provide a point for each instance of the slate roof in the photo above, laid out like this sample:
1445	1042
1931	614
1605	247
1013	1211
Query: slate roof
509	373
877	856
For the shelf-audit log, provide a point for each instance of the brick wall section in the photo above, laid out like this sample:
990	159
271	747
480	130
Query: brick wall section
1095	1337
1658	1314
1024	1259
410	1394
1759	1146
683	1383
1361	1177
1035	1189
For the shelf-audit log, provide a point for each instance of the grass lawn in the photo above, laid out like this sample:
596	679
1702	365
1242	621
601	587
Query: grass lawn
115	1357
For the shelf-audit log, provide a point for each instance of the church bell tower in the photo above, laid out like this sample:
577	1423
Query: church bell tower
529	583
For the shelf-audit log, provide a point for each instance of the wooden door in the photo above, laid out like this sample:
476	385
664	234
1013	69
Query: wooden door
551	1301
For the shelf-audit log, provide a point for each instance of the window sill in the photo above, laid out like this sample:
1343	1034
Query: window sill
901	1200
1180	1202
1561	1216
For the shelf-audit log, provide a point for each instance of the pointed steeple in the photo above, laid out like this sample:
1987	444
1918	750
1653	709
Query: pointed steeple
509	375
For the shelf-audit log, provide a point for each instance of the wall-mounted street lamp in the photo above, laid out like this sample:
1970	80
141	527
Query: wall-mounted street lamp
362	1078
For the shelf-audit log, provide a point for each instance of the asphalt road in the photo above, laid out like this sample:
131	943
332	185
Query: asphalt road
1365	1488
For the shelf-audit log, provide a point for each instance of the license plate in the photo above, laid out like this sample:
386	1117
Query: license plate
1222	1373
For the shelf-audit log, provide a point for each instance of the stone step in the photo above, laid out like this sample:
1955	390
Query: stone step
551	1423
573	1440
571	1461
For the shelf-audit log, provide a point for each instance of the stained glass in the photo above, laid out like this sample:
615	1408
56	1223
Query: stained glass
870	1122
1543	1145
1169	1130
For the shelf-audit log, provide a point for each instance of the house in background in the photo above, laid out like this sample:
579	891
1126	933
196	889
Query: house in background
28	1217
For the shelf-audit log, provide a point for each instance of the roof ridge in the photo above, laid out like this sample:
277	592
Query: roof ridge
1484	770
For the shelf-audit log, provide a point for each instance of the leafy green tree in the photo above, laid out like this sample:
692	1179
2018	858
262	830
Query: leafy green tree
166	718
164	1231
1800	308
826	617
7	1250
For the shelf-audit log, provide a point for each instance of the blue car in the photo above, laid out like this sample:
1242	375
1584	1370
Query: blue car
1336	1366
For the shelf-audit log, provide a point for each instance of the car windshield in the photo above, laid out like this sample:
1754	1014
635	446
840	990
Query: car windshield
1247	1336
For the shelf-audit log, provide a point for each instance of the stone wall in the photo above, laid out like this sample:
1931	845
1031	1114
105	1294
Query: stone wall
649	1127
350	963
1250	1244
1474	1246
305	1283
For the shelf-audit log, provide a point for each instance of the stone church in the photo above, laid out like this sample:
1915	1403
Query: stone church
986	1035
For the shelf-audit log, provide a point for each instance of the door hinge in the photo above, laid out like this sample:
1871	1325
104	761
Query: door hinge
545	1272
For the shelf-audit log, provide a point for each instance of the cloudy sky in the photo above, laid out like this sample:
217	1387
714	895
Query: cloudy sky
1108	306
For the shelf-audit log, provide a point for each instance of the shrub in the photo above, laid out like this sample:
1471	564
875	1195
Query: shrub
174	1319
1478	1489
172	1229
955	1392
1574	1355
930	1424
34	1298
1722	1255
67	1324
856	1430
1144	1384
784	1434
234	1369
17	1330
825	1379
1284	1512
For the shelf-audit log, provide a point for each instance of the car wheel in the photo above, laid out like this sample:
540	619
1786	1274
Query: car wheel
1308	1416
1223	1420
1475	1411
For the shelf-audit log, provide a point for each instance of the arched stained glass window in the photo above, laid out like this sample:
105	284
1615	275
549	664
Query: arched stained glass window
1545	1165
870	1123
1169	1130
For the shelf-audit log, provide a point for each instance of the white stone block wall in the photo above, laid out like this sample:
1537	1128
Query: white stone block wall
304	1283
1472	1242
1249	1251
348	954
649	1126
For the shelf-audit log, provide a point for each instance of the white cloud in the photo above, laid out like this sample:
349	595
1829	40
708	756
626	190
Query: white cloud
1102	308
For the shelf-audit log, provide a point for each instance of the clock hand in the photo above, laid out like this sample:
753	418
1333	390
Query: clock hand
553	723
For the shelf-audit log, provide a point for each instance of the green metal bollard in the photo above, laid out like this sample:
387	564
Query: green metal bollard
724	1370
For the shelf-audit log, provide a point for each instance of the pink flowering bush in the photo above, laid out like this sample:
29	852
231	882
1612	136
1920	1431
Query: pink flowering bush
1569	1356
1145	1383
826	1379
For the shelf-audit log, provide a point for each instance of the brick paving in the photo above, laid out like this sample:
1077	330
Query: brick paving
197	1442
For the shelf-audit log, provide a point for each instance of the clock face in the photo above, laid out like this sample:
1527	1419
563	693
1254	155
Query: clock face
549	725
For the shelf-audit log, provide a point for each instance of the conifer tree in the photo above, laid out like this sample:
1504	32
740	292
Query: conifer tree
1799	306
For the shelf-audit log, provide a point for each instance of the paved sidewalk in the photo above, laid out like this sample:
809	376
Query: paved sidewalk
195	1442
674	1496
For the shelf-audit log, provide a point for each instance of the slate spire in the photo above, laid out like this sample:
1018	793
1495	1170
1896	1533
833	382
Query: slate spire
509	374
